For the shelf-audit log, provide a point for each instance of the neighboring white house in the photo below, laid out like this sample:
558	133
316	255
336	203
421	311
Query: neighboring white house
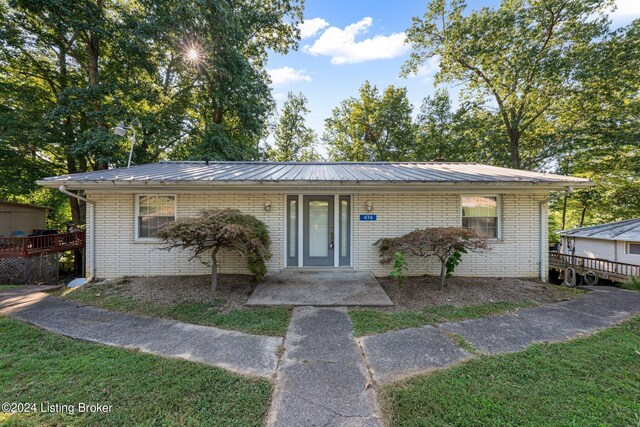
318	214
614	241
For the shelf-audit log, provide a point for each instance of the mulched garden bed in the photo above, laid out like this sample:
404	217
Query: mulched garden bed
421	292
232	292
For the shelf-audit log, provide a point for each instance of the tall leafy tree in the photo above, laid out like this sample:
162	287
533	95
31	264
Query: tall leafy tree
224	45
372	127
294	141
603	123
58	61
188	75
519	58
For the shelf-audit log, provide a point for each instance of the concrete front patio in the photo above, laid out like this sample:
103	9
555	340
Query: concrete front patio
320	288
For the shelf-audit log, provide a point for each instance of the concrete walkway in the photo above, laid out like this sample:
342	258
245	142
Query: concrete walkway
399	354
235	351
322	378
320	288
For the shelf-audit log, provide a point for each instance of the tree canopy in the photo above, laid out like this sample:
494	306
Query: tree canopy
294	141
521	57
372	127
188	76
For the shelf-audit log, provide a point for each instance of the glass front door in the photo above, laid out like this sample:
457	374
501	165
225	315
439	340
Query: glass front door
318	229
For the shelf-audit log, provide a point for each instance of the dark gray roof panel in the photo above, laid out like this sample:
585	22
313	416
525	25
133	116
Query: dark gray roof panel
628	230
257	172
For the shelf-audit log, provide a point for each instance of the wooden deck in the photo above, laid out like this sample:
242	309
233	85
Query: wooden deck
21	247
605	269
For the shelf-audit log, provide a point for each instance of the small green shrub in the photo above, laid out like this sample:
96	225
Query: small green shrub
453	261
399	267
632	284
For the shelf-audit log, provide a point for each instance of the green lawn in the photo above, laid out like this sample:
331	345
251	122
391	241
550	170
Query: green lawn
592	381
37	366
259	320
368	321
633	284
4	287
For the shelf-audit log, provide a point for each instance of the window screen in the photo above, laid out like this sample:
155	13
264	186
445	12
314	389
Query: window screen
153	213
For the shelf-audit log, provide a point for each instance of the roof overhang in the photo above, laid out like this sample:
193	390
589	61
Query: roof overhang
288	186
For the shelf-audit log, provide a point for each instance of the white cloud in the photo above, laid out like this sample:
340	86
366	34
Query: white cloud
284	75
310	27
341	46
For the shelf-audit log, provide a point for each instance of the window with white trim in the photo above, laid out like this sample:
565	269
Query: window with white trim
633	248
481	214
154	211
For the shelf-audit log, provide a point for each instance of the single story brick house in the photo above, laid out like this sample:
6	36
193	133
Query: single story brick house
319	215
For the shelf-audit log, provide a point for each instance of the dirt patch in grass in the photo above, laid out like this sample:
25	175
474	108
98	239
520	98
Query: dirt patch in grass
232	292
422	292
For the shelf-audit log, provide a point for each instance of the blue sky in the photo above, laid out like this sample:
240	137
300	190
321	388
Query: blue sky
346	42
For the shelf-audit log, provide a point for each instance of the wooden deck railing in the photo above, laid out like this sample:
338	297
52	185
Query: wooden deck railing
24	246
584	264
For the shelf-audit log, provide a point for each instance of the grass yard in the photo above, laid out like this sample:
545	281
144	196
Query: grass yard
370	321
258	320
591	381
633	284
37	366
5	287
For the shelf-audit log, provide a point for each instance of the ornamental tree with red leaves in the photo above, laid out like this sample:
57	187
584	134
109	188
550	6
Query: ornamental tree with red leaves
445	243
217	229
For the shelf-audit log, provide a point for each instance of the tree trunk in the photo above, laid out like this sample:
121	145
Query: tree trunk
76	209
584	211
443	273
214	270
514	139
564	211
93	75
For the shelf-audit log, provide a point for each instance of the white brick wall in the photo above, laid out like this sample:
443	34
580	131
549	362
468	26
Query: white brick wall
517	254
118	254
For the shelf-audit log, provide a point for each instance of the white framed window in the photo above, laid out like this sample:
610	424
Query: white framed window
152	212
633	248
482	215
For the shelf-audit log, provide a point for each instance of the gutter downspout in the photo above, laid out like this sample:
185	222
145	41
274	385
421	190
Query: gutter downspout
543	233
92	230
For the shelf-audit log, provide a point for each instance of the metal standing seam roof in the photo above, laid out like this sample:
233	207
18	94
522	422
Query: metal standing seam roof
621	230
314	172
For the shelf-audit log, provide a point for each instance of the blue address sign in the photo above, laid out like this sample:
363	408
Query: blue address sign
368	217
